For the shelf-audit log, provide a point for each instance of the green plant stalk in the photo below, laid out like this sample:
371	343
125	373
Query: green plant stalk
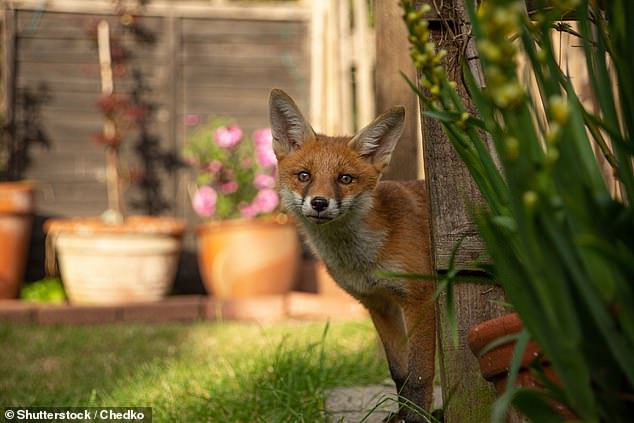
552	199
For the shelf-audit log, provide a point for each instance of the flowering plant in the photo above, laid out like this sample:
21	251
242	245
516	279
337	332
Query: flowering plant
234	173
555	223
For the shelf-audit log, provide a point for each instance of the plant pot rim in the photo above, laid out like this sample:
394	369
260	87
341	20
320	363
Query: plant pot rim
21	185
132	225
488	331
276	220
17	197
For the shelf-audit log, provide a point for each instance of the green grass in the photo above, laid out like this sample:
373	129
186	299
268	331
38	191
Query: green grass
215	372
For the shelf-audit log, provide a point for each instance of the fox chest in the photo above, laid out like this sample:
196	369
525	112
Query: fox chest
353	260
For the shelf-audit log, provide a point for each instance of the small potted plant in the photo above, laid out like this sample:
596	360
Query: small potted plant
114	258
247	248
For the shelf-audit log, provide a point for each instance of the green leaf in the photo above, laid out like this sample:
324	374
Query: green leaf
447	117
534	405
502	404
502	340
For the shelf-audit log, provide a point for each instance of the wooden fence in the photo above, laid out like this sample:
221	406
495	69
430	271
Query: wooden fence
189	60
189	63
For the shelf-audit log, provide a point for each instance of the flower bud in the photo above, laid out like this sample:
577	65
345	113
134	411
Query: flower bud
530	199
552	135
490	51
512	148
412	17
559	109
425	8
552	155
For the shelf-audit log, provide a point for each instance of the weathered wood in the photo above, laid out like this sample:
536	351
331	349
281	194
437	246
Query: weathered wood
200	63
252	53
452	193
205	60
173	36
344	67
340	67
467	396
364	50
392	51
452	189
250	29
317	53
198	9
69	25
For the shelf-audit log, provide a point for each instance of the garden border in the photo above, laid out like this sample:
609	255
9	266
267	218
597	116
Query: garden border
187	308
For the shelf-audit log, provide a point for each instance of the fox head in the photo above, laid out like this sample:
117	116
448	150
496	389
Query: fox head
322	178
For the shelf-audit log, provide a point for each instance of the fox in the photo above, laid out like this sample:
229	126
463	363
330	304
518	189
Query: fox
363	229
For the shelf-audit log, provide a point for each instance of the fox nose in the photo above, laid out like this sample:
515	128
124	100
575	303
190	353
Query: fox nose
319	204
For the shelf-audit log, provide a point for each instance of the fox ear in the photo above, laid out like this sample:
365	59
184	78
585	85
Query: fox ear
377	140
289	128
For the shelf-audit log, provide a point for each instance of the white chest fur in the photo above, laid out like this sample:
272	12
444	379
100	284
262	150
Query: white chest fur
351	252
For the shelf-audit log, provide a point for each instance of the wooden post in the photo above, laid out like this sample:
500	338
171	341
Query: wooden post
392	52
467	396
344	63
115	203
317	71
363	55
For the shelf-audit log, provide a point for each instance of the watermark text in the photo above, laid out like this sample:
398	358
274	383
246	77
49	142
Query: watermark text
78	414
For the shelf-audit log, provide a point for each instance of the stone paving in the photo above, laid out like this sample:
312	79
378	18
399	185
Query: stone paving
367	404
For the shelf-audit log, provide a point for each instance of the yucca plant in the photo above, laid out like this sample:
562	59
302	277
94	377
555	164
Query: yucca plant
560	240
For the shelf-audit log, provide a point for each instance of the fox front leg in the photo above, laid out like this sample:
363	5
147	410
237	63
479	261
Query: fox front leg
407	332
420	323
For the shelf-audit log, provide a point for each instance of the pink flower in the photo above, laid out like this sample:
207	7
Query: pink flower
190	159
264	147
192	119
229	187
266	201
204	201
214	166
262	181
248	211
246	163
263	136
229	136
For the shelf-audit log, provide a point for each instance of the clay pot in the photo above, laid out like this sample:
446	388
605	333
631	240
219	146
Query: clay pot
116	263
248	257
17	205
495	363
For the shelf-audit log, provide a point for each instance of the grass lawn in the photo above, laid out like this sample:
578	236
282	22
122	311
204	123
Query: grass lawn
201	372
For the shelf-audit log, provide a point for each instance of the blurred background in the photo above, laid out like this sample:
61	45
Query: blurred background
183	62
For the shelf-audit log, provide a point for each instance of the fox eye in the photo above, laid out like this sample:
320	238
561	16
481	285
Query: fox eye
303	176
345	179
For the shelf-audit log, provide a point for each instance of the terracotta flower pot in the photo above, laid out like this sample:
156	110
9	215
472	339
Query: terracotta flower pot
107	264
495	363
17	204
245	258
